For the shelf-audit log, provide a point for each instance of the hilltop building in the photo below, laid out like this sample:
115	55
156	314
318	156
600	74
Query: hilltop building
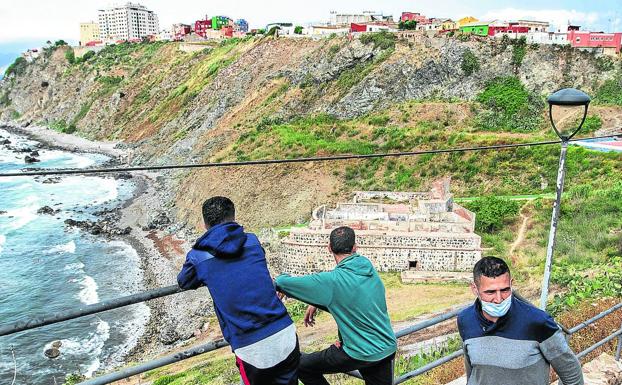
342	19
466	20
397	231
127	22
597	42
413	16
89	32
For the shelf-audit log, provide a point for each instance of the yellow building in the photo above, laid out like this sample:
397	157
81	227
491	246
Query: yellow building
89	32
449	25
466	20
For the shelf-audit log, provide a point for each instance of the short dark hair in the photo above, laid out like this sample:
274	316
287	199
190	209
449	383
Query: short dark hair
342	240
491	267
218	210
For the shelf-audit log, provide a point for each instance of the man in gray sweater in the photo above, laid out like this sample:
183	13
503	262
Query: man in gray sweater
508	341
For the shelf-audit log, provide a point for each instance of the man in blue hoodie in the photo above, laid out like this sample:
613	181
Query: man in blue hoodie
232	264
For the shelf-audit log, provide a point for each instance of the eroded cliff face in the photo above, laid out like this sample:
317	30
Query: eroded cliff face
170	106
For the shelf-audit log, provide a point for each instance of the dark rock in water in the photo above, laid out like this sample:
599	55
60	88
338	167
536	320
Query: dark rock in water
2	212
5	141
57	344
52	353
31	159
47	210
34	153
102	227
159	222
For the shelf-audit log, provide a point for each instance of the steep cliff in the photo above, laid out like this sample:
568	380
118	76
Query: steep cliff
233	100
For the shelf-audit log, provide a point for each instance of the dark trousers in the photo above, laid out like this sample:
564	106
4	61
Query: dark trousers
334	360
284	373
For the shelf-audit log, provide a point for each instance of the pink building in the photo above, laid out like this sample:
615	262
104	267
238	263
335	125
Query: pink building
416	16
609	43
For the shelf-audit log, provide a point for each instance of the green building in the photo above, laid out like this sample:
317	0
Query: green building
479	29
219	21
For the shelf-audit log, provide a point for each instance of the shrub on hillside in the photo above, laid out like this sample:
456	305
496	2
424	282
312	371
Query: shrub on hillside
604	63
610	92
509	106
592	123
470	63
493	213
383	40
17	68
70	56
519	50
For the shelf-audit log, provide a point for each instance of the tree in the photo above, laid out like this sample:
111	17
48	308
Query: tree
298	30
408	25
70	56
470	62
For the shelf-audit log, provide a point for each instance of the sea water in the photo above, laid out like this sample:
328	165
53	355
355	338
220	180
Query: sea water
48	268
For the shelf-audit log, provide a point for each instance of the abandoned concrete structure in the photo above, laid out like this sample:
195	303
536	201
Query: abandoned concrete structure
397	231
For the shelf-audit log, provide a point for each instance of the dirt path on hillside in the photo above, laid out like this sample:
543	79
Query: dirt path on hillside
521	233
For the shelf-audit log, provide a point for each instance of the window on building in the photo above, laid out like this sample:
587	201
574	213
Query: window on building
413	265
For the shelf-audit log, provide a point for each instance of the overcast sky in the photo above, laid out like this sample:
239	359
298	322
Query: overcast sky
29	23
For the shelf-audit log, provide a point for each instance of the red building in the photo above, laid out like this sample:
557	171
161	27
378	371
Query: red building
511	29
227	31
609	43
201	27
355	27
416	16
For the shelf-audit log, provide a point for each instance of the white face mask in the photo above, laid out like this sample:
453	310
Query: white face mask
497	309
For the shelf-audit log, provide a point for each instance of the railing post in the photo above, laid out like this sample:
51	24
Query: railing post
393	370
619	349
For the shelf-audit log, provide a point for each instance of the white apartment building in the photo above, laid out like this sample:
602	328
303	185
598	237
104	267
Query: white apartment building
349	18
127	22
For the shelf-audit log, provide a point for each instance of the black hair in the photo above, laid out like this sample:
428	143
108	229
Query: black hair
218	210
342	240
491	267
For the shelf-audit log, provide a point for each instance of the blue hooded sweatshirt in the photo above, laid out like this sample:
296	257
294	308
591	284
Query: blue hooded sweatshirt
232	264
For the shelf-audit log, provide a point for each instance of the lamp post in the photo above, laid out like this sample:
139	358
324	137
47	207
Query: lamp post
568	97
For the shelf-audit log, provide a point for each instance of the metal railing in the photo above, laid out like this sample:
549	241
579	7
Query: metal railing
34	323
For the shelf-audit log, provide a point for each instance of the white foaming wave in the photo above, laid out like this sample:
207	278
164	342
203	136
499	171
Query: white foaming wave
71	160
21	217
92	346
88	294
92	189
69	247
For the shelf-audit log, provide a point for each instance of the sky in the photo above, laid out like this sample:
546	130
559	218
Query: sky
30	23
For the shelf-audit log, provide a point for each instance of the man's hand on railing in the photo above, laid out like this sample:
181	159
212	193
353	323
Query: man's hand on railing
310	316
280	295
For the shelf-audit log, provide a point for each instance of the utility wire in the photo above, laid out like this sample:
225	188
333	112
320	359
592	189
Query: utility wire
295	160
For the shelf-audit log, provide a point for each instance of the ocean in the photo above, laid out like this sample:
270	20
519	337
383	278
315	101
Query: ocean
47	267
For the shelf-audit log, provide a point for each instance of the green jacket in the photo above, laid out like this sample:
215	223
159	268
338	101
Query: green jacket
354	294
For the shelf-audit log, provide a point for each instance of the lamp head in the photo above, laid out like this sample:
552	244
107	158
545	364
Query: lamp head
568	97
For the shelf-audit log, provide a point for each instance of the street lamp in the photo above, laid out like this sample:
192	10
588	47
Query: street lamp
567	97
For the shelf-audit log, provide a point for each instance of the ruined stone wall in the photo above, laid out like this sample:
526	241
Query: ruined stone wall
360	196
306	252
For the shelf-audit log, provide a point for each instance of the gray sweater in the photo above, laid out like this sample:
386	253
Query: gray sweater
518	349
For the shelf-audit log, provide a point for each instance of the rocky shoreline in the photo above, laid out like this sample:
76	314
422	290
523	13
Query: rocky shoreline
143	223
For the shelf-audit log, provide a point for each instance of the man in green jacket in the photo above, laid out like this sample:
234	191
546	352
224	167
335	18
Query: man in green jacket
354	294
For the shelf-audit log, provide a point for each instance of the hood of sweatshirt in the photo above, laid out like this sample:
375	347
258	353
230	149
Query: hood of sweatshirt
357	265
225	240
